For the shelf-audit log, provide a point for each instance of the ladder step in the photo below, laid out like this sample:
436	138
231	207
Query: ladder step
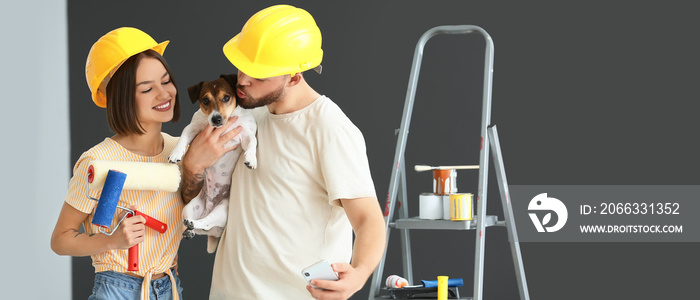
451	298
416	223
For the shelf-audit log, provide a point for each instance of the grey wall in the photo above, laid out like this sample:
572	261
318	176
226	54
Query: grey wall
584	93
35	147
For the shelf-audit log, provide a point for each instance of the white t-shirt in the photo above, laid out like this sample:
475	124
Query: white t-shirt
285	215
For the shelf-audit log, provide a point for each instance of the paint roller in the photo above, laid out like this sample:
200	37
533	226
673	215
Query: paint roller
111	177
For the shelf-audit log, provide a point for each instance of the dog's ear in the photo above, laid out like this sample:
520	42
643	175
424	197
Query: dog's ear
194	91
232	79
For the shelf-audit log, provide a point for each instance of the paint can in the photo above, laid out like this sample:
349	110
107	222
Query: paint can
461	207
444	181
430	206
445	207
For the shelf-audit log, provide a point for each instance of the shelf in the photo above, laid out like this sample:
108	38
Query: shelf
427	297
420	293
416	223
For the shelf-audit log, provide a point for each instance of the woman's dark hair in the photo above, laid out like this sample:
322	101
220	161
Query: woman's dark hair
121	95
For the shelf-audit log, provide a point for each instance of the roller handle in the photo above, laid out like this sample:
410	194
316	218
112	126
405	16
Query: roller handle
133	254
134	258
134	250
153	223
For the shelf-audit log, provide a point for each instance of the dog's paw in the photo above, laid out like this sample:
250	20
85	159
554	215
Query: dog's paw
173	159
189	224
188	234
250	165
176	155
251	161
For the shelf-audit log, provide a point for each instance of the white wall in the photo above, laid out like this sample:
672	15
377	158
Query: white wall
35	147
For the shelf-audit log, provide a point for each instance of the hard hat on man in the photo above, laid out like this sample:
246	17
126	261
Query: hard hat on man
277	40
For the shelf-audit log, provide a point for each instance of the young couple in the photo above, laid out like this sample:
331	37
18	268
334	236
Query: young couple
311	191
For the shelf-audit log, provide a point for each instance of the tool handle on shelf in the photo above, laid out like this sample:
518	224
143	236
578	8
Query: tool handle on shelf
451	282
442	287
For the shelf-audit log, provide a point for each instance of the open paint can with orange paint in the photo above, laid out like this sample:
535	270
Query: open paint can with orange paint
444	181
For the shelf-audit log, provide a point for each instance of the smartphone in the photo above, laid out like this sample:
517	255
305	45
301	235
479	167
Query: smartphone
320	270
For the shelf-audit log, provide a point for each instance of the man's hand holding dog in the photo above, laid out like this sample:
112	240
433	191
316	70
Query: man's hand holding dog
204	151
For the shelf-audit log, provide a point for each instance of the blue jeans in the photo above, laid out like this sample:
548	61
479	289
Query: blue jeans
116	286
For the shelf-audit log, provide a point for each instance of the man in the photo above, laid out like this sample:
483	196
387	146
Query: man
312	187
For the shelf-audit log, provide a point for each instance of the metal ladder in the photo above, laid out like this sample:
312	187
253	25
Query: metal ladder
397	185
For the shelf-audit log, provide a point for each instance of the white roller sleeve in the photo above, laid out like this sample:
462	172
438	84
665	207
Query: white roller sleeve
139	175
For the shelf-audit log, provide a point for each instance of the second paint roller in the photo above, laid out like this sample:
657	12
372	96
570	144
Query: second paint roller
107	204
112	178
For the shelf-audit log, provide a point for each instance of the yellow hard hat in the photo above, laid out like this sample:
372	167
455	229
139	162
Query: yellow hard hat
278	40
109	52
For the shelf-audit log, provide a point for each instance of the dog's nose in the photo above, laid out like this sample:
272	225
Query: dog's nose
216	120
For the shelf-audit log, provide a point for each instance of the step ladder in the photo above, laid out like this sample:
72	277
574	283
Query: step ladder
397	185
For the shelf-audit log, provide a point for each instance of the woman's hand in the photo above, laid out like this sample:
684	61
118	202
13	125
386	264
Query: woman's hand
130	232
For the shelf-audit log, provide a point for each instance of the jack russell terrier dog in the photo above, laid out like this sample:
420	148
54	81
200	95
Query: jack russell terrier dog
206	214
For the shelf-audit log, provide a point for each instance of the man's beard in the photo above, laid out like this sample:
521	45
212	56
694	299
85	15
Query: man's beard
250	102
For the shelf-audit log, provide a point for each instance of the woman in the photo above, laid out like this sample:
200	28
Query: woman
127	74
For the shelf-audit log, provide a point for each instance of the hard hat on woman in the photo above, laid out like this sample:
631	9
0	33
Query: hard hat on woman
109	52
